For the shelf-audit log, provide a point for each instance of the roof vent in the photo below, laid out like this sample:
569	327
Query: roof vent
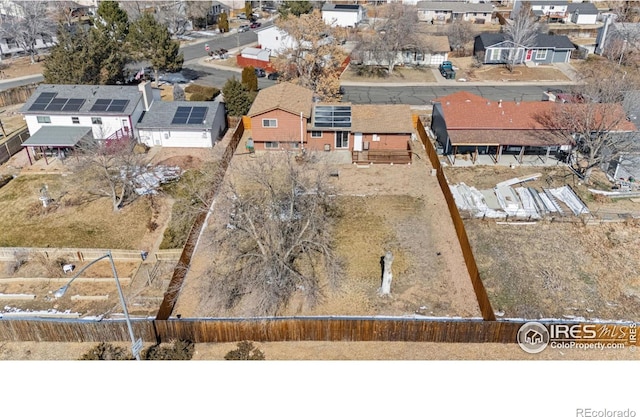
500	103
488	103
448	103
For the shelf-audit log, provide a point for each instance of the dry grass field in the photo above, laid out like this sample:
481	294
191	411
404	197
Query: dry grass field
398	208
556	269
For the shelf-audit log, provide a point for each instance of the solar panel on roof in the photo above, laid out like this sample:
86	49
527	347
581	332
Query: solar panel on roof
101	104
189	115
332	116
117	106
42	101
38	106
57	104
73	104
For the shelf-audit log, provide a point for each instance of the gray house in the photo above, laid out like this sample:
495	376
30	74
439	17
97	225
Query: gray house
494	48
183	124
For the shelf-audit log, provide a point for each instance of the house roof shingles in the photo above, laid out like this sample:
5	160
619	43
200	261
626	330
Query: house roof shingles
161	113
583	8
90	93
381	118
284	96
541	41
473	119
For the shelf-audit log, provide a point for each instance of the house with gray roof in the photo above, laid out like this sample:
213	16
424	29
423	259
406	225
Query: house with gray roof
583	13
182	124
494	48
442	12
59	117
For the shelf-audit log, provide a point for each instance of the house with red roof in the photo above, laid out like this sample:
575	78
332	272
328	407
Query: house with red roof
465	123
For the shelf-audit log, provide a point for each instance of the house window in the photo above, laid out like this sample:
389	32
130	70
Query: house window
44	119
269	123
541	54
316	134
419	57
75	120
495	54
271	145
294	145
96	120
376	138
342	139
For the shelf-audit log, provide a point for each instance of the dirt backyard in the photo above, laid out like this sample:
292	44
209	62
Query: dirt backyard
555	268
398	208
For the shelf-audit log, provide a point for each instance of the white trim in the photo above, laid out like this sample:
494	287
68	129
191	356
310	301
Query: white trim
538	54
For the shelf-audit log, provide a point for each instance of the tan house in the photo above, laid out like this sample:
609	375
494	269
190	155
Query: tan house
285	116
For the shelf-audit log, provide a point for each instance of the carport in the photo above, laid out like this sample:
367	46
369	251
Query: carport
59	139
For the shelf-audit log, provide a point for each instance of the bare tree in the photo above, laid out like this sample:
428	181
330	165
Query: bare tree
626	11
592	117
28	22
460	33
521	32
172	14
314	58
278	241
112	167
399	32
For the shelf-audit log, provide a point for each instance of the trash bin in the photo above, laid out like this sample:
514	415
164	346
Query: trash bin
144	254
250	147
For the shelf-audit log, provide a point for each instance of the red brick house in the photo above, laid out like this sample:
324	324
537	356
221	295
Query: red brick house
285	117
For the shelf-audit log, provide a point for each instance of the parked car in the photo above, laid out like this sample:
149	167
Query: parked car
447	71
273	76
260	72
242	16
243	28
255	25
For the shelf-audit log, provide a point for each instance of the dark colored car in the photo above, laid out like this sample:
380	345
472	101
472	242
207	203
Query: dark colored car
255	25
273	76
260	72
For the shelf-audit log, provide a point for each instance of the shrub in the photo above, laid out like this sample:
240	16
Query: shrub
178	350
245	351
197	97
205	93
107	352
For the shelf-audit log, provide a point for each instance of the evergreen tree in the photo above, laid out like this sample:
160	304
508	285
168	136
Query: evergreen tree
237	98
112	20
223	22
295	8
249	78
151	41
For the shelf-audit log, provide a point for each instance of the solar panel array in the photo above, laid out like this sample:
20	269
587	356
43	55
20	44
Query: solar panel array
109	105
49	102
189	115
332	116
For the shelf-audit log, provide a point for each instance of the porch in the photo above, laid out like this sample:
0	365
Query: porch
503	155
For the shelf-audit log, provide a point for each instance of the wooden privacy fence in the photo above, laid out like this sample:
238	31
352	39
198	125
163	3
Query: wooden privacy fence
467	253
356	329
184	262
17	95
13	145
85	254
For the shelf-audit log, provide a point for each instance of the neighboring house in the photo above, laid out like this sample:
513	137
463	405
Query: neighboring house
9	46
467	123
446	11
343	15
583	13
618	37
435	51
60	116
274	39
285	117
182	124
493	48
550	11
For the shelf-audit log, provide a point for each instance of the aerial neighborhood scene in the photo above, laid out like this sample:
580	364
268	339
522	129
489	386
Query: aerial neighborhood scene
287	180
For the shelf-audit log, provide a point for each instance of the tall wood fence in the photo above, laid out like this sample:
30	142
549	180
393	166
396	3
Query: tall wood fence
358	329
13	145
181	269
17	95
467	252
82	254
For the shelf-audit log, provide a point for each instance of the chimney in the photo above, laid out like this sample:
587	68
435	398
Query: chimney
147	94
